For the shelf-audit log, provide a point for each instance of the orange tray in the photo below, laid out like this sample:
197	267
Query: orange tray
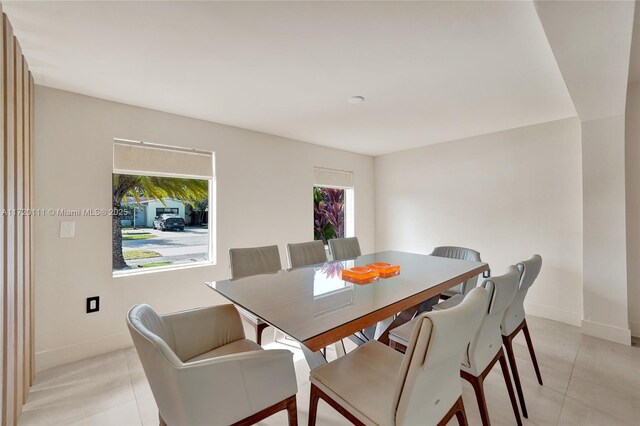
361	282
385	268
390	274
359	273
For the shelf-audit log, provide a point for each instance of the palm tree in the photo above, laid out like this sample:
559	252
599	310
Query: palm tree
185	190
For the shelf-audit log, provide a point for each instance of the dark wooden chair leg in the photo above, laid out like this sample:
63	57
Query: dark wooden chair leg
478	388
457	409
313	405
507	380
316	395
527	336
461	415
288	404
292	411
162	423
514	371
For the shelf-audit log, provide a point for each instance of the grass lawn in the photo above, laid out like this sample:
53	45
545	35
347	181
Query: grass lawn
137	236
140	254
153	264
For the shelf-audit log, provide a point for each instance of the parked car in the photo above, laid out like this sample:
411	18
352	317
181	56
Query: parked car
168	222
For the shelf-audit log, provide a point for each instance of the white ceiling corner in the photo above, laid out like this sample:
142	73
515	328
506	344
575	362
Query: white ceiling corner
591	41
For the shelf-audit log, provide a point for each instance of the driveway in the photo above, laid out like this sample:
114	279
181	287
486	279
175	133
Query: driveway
190	245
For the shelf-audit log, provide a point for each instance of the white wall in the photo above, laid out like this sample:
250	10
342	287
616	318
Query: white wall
73	165
604	231
509	195
632	169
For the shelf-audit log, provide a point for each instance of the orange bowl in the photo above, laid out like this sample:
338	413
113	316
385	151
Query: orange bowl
385	268
360	282
359	273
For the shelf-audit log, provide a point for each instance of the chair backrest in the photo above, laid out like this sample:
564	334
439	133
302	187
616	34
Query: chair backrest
429	381
452	252
245	262
344	248
529	270
487	342
305	254
460	253
156	349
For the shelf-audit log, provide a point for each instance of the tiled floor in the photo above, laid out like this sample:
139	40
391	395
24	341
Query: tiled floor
587	382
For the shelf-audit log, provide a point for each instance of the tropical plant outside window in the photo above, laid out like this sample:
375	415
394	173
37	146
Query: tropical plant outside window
328	213
159	221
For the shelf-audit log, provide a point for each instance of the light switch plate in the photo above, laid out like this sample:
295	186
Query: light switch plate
93	304
67	229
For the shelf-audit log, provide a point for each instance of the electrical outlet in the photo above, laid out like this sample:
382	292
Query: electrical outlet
93	304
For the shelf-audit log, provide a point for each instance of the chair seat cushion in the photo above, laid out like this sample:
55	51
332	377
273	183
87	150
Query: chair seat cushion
449	303
363	381
453	291
402	334
242	345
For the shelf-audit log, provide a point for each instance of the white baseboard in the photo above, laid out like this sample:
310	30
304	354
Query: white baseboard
635	328
571	318
66	354
607	332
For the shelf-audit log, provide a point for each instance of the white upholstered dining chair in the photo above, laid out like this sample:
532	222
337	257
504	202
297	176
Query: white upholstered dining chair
460	253
344	248
514	321
202	370
305	254
485	349
249	261
375	385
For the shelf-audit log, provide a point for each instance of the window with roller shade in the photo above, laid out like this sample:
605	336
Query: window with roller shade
333	206
162	203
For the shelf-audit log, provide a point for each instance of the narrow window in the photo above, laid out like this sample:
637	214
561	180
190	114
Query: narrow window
333	206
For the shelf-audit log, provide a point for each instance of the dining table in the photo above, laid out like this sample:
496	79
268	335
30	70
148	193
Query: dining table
317	306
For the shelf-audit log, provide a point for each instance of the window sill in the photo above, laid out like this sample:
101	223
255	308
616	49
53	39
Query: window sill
145	271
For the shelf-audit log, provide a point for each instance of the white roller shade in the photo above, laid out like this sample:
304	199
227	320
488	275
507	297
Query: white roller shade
154	160
332	178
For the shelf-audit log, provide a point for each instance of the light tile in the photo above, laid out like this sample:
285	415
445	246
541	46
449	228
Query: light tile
76	391
148	410
138	377
609	364
112	389
555	380
121	415
589	404
555	344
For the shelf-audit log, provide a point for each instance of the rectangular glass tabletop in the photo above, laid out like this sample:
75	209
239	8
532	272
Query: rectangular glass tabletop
315	306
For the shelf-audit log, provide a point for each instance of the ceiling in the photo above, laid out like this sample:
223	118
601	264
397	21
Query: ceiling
591	41
430	71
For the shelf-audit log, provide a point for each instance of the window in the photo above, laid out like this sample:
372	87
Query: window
162	198
333	215
166	210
